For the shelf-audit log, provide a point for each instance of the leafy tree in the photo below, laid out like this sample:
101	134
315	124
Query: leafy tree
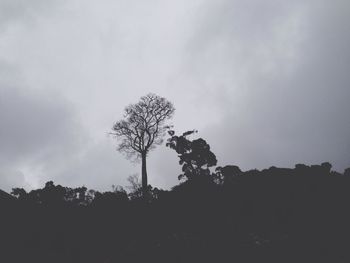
226	173
195	156
20	193
142	128
53	194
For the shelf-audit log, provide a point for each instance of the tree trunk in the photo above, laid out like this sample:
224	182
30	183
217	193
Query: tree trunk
144	175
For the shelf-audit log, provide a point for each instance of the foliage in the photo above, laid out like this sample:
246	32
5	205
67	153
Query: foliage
273	215
226	173
143	125
195	155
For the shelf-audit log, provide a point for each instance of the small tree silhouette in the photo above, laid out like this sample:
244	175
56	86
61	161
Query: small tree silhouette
195	156
135	186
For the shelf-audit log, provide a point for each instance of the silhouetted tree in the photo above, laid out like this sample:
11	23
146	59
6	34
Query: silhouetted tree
226	173
55	194
135	186
143	127
90	196
134	182
20	193
195	156
347	172
326	167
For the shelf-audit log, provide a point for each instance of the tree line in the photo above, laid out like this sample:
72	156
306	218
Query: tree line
214	214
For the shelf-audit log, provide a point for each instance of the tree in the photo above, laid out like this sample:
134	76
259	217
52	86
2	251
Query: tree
347	172
142	128
135	186
20	193
195	156
226	174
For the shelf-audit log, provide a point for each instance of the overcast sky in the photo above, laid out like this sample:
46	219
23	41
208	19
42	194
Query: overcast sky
265	83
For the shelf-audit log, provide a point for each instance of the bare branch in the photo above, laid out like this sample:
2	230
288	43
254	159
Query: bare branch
143	125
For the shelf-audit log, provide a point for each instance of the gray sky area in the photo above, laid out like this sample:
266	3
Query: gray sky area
265	83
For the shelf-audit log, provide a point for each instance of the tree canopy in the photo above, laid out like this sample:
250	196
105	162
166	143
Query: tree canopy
195	155
143	125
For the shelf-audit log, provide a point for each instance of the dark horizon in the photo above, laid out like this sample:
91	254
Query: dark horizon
128	186
275	215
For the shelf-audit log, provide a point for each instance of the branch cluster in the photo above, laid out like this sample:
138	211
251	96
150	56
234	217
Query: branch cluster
143	125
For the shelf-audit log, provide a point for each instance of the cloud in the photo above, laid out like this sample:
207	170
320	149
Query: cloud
37	126
264	82
283	73
14	11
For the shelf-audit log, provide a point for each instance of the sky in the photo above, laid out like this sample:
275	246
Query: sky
265	83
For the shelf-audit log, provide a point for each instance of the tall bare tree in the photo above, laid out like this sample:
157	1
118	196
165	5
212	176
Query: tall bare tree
143	127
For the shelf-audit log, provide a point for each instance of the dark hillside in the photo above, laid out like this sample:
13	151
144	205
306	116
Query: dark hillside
274	215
